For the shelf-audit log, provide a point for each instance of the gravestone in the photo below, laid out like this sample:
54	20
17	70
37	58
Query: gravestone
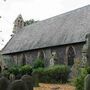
4	82
28	81
17	85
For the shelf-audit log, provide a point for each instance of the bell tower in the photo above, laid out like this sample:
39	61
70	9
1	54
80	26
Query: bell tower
18	24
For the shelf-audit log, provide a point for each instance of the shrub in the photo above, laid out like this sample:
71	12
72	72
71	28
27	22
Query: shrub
58	73
88	70
26	69
14	70
79	81
54	74
18	71
38	63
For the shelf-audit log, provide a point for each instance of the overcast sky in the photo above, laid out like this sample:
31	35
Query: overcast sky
32	9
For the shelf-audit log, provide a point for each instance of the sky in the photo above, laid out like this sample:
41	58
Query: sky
32	9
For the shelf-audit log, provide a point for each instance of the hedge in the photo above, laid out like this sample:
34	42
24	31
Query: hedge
54	74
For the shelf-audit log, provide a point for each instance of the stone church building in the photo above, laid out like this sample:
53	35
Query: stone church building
60	37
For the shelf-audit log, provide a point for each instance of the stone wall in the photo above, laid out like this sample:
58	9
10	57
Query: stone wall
30	56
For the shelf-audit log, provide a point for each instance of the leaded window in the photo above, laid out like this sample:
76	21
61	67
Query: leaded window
23	60
71	56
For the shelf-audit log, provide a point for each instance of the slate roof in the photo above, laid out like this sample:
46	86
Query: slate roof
67	28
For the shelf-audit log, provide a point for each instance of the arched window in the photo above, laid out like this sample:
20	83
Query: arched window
41	54
70	56
23	60
18	22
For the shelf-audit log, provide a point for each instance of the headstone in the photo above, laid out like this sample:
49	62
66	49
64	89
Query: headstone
4	82
12	77
17	85
29	81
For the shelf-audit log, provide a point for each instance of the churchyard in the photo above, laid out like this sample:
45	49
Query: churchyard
53	77
60	60
39	77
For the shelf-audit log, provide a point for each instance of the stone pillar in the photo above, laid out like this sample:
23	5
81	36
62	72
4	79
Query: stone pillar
86	52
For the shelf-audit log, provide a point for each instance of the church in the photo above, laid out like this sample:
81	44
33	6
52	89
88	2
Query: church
61	37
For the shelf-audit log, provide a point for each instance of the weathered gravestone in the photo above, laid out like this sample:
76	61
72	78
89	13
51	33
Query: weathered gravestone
17	85
4	82
12	77
29	81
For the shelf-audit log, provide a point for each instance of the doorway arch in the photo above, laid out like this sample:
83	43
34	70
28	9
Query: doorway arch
70	55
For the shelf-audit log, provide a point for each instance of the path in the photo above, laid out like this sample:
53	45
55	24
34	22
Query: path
54	87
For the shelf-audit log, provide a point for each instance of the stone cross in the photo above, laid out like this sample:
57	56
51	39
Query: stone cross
52	59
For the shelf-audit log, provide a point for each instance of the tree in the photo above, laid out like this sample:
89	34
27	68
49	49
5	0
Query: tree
28	22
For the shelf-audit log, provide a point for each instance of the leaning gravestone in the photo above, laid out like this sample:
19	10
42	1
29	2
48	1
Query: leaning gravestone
29	81
17	85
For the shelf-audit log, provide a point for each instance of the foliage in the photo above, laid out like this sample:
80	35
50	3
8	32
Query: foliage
29	22
54	74
75	69
26	69
38	63
14	70
87	82
88	70
18	71
79	81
